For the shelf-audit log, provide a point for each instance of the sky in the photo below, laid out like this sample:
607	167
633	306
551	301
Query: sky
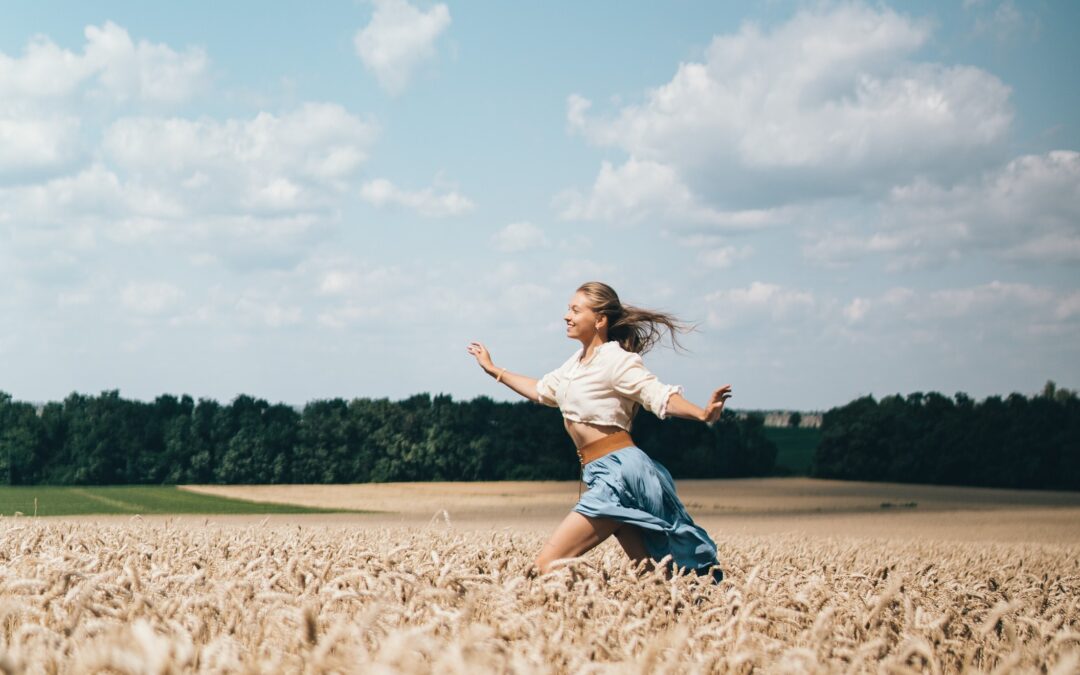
301	202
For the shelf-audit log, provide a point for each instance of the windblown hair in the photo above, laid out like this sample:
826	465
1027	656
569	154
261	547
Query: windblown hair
636	329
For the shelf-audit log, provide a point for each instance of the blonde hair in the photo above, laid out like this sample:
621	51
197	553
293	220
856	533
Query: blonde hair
634	328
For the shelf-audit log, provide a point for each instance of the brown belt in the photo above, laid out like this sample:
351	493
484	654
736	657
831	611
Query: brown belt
603	446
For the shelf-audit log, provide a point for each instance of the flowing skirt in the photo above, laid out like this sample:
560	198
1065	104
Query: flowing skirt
629	486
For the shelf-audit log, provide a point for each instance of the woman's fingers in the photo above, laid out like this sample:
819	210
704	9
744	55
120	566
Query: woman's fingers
716	403
475	348
478	350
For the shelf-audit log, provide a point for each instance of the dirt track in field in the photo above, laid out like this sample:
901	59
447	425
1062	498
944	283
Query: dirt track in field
745	506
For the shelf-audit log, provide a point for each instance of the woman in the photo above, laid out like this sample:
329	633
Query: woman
599	389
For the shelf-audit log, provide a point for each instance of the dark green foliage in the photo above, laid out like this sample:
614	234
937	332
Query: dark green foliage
102	440
1015	442
795	448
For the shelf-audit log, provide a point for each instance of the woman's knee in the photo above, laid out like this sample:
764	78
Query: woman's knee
542	565
545	557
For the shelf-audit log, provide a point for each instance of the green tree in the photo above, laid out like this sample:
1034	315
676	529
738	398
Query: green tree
21	442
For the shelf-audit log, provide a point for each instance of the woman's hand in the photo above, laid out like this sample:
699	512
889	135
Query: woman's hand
715	406
482	356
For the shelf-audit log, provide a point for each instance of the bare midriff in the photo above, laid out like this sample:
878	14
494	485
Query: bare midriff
583	433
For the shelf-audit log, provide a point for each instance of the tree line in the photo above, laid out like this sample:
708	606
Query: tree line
1013	442
110	440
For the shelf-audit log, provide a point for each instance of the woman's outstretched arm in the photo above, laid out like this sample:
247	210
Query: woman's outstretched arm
631	378
680	407
522	384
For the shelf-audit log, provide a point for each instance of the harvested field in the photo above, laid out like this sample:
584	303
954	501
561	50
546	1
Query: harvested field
152	596
802	506
747	496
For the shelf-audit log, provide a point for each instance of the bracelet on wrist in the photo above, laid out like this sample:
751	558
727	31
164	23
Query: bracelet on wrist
497	379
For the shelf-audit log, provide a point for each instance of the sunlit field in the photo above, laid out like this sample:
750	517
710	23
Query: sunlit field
806	590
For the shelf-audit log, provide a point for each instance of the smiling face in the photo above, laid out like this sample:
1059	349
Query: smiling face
581	320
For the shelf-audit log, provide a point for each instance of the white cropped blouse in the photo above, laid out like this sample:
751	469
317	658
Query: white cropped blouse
605	389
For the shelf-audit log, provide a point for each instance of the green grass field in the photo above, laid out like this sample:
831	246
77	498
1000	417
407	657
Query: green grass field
795	448
55	500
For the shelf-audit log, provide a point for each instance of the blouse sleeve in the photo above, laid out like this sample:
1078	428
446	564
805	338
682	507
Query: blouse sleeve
631	379
547	385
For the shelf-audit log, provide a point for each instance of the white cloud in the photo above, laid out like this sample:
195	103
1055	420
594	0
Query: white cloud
121	69
934	308
1057	247
522	299
942	325
350	278
856	309
143	70
33	144
1005	23
646	190
426	202
503	273
249	189
316	144
257	308
336	281
517	237
963	302
250	192
629	194
352	313
352	290
1068	306
323	289
828	103
44	70
1028	209
997	313
179	168
44	92
758	301
714	250
723	256
576	107
383	299
59	227
150	297
579	270
399	38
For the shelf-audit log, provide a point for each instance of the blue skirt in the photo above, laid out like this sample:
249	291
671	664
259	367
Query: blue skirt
629	486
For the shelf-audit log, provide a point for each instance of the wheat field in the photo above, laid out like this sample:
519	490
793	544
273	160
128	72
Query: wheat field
161	596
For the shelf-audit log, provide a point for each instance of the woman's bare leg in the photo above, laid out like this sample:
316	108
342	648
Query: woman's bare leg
632	542
576	535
